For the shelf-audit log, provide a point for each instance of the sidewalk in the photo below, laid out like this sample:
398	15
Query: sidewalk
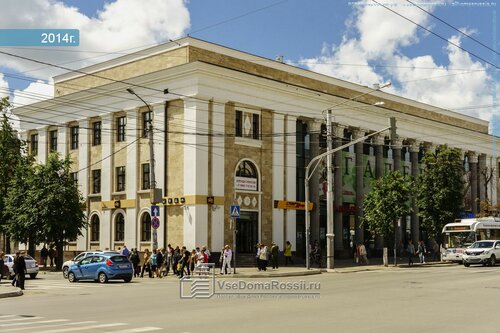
7	290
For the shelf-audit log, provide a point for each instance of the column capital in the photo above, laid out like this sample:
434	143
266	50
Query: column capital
357	133
429	146
379	139
338	131
398	143
315	125
473	157
414	146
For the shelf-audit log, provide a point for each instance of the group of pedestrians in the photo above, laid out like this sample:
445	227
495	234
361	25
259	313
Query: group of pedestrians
420	251
264	254
160	262
48	254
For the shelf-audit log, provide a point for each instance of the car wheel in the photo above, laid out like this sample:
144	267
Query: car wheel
71	277
466	264
493	260
102	277
33	275
128	279
65	272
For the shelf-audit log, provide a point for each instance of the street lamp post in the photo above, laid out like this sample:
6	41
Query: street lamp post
156	193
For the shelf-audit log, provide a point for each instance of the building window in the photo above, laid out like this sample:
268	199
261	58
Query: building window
96	181
247	125
120	127
145	176
247	176
74	177
74	137
94	228
34	144
96	133
53	141
119	228
120	179
147	118
146	228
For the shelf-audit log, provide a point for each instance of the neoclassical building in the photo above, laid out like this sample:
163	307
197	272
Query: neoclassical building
231	128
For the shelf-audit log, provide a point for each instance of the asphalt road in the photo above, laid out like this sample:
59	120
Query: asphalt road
418	299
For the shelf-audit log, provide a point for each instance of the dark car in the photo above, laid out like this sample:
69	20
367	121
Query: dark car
102	267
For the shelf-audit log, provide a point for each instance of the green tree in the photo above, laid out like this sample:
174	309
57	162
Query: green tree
10	154
439	189
48	201
386	203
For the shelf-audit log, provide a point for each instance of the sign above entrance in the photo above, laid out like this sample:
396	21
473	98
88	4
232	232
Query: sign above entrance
292	205
244	183
235	211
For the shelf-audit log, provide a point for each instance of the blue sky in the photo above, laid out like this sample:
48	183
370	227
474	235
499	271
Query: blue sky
355	41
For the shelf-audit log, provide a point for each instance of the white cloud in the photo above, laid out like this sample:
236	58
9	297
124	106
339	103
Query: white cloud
122	25
35	92
4	86
379	38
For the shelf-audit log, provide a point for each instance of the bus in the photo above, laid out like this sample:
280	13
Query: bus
459	235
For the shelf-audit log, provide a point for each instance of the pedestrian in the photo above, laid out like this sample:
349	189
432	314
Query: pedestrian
52	255
159	260
435	250
257	256
1	264
274	255
263	257
362	254
184	261
136	260
176	257
20	269
44	253
410	251
288	253
193	258
421	251
125	252
221	260
153	262
145	263
168	259
207	252
226	260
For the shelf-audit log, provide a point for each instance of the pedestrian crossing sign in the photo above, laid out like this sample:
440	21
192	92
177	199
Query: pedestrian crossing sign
235	211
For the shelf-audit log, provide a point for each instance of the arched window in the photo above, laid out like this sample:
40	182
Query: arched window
119	228
247	176
146	227
94	228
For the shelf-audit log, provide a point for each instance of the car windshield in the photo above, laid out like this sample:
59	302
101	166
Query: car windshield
28	257
481	245
119	259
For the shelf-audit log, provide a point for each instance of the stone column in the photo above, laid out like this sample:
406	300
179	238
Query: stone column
473	160
107	179
338	228
481	169
314	182
396	146
415	223
358	151
379	141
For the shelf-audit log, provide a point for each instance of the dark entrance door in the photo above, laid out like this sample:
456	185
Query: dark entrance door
248	232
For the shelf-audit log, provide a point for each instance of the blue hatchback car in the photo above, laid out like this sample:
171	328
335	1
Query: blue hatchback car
101	267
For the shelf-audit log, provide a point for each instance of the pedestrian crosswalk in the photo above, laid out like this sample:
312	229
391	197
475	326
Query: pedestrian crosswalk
63	284
39	324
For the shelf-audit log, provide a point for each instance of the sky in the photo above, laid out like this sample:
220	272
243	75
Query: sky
358	41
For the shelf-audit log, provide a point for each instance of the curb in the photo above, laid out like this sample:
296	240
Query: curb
15	293
264	275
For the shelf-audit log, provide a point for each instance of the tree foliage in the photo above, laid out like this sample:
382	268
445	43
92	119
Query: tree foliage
386	203
10	154
439	189
45	205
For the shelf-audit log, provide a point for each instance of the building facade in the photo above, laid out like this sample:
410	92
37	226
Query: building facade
234	129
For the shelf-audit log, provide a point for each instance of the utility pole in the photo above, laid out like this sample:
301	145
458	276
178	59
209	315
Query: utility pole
329	194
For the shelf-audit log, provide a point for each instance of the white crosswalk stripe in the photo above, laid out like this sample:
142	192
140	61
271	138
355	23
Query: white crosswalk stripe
48	285
23	323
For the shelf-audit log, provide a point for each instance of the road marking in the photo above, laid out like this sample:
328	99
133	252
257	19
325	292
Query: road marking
137	330
16	319
82	328
33	322
45	326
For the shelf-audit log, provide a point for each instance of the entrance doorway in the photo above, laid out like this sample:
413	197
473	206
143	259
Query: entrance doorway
248	232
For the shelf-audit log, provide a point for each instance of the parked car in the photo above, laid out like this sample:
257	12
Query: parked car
67	264
483	252
31	265
102	267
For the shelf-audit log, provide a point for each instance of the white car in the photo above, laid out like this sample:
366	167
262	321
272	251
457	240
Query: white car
31	265
67	264
483	252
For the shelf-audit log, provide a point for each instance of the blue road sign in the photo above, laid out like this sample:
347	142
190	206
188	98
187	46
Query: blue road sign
155	211
235	211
